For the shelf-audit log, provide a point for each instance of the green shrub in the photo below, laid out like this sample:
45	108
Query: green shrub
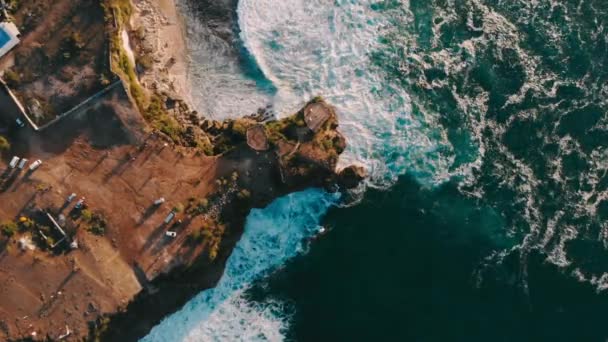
97	223
12	78
178	208
98	229
86	215
239	128
9	228
4	144
196	236
243	194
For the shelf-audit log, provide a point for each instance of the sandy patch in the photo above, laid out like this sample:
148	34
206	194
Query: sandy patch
164	38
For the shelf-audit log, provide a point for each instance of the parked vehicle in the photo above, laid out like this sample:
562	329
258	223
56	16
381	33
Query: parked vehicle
14	162
159	201
22	163
20	123
35	165
169	217
71	197
80	203
171	234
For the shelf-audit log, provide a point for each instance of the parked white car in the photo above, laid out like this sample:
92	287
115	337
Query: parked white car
14	162
80	203
169	217
35	165
171	234
22	163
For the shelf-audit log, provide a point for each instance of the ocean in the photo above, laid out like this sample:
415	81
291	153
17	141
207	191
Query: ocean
483	126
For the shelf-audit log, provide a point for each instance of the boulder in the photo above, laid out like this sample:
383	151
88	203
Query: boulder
350	177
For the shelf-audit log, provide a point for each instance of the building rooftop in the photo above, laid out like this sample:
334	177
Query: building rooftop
257	139
9	37
315	115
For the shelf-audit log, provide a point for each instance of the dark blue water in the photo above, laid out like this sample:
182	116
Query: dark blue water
494	116
518	253
411	264
4	38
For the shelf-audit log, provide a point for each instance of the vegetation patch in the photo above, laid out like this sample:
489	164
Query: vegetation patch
62	58
9	228
95	222
4	144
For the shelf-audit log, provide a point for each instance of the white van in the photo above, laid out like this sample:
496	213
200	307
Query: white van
169	217
22	163
35	165
14	162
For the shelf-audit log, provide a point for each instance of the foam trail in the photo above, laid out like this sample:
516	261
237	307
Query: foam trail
272	235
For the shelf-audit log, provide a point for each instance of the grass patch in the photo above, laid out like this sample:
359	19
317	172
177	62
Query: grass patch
280	129
118	13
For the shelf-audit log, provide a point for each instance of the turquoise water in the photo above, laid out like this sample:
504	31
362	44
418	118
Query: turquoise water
483	125
4	38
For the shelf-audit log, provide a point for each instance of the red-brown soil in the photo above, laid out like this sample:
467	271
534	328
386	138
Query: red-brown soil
107	155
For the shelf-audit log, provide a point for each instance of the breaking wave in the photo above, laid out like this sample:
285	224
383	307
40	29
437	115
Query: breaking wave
304	49
272	235
282	54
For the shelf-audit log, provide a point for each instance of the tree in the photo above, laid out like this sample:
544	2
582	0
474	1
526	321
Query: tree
86	215
9	228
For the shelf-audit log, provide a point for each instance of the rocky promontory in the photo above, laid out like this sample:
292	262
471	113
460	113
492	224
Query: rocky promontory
135	201
144	223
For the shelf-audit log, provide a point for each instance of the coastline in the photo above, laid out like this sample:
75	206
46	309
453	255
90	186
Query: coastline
164	38
110	263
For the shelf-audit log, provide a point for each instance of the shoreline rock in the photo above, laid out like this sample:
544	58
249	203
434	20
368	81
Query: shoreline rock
133	146
308	165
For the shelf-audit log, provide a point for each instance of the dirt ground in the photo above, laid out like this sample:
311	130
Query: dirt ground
107	155
121	171
62	58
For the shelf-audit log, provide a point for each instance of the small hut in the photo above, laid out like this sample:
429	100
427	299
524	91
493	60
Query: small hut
257	138
315	115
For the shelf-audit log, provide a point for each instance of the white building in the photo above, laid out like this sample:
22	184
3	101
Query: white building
9	37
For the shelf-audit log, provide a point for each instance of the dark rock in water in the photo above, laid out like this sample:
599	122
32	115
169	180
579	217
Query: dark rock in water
351	176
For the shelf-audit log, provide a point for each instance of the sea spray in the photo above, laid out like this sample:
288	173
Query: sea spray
272	235
224	83
307	48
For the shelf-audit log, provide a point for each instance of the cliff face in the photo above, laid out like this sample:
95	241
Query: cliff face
127	272
139	202
263	161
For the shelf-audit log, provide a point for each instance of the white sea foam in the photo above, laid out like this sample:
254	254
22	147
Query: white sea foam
219	87
304	48
310	48
272	236
316	47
